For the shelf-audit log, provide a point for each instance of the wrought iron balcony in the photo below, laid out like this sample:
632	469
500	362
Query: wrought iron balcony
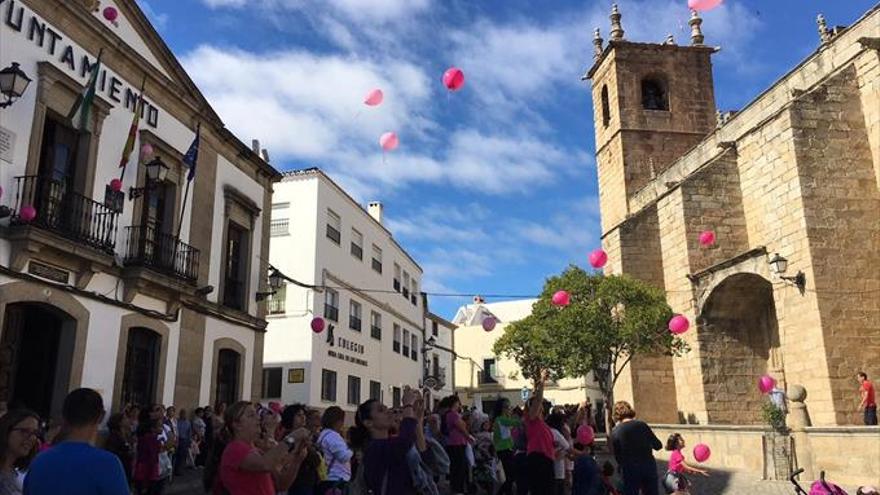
160	252
276	306
62	211
331	312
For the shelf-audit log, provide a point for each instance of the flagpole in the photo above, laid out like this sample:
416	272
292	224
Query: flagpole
188	182
137	110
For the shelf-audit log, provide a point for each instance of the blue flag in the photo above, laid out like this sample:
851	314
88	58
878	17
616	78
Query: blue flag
192	155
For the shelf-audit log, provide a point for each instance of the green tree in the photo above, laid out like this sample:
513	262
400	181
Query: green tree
609	321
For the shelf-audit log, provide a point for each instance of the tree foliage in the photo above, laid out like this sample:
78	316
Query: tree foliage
610	320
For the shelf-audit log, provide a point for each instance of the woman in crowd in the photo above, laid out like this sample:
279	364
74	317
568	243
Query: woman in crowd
184	440
457	437
336	453
556	422
385	468
147	479
293	418
18	446
632	442
243	469
539	445
504	422
119	442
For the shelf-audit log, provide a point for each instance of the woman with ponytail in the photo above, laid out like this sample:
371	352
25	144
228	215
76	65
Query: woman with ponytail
237	467
385	468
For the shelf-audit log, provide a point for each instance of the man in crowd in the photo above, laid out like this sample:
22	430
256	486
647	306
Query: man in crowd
869	401
75	466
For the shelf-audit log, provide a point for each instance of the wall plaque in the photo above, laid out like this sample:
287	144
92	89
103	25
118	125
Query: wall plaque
48	272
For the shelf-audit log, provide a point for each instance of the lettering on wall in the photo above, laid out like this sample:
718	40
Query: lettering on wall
17	19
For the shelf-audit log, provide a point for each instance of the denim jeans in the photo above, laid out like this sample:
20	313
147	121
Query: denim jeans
640	476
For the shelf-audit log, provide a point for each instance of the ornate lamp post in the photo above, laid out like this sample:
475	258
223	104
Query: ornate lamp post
13	83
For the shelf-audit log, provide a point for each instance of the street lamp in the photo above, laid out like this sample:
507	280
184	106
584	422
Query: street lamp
13	83
778	265
157	171
276	280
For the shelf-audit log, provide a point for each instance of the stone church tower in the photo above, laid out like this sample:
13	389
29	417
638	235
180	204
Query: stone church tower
791	177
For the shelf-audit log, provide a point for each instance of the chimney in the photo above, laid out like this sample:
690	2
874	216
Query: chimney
255	146
265	155
375	210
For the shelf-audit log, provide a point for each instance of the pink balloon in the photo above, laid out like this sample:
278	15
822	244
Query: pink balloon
679	324
317	324
561	298
146	151
115	185
585	435
374	97
766	384
27	213
389	141
707	238
703	5
598	258
489	324
453	79
110	13
702	452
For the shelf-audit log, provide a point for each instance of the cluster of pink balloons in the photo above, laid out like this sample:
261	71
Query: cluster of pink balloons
317	324
703	5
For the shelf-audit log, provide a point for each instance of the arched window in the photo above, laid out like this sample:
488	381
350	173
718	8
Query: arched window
228	362
606	109
141	367
654	94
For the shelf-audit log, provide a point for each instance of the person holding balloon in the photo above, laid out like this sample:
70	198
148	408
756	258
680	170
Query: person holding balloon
675	480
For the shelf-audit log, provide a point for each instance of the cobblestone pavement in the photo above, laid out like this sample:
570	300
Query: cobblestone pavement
719	483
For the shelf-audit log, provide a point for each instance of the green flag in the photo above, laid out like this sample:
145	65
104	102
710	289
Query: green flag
82	107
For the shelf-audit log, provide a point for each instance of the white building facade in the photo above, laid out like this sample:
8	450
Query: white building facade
369	296
439	356
127	295
481	377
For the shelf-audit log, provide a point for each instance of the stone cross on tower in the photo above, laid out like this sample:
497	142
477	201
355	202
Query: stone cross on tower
597	44
616	27
695	23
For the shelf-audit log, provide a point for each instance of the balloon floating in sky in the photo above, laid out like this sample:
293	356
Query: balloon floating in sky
389	141
453	79
146	151
374	98
27	213
115	185
110	13
679	324
317	324
489	324
707	238
702	452
561	298
703	5
598	258
766	384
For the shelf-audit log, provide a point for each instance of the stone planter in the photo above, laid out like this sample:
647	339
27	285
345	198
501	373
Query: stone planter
778	455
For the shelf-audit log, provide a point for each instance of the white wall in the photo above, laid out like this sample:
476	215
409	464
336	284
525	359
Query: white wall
218	329
309	256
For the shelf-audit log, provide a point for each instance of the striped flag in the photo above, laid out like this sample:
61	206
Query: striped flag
192	155
132	131
82	107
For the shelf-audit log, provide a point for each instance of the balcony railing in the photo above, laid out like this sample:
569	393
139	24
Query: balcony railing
354	323
279	227
331	312
275	306
376	332
161	252
65	212
484	378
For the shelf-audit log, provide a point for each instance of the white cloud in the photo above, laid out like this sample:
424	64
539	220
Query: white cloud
357	11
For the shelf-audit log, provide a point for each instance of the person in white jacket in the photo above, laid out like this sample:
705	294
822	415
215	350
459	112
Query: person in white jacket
337	454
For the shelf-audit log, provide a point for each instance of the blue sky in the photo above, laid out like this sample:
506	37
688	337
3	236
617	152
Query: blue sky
492	188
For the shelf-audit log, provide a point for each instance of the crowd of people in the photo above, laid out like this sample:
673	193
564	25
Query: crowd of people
251	449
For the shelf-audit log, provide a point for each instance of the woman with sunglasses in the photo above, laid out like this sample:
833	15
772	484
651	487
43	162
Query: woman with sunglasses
18	446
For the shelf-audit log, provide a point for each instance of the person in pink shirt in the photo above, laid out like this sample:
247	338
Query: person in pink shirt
540	450
675	480
244	470
457	438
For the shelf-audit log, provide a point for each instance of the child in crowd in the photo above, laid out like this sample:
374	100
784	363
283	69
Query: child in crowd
675	480
586	476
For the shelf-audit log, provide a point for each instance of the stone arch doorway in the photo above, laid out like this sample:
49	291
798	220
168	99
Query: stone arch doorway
739	342
36	356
